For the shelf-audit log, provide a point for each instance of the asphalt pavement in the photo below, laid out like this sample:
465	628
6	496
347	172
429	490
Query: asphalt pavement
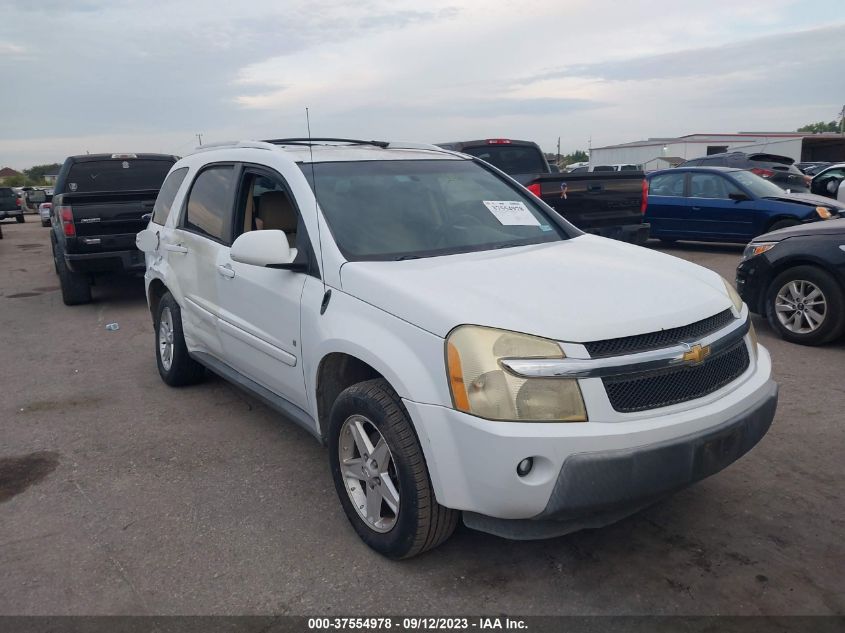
120	495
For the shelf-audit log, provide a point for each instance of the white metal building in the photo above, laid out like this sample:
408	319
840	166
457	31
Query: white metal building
797	145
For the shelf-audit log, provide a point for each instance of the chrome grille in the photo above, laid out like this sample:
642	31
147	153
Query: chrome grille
650	390
656	340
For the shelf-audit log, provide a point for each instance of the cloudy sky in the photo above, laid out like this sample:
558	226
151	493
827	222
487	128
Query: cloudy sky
147	75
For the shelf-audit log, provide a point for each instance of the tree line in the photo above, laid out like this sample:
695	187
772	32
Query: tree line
34	176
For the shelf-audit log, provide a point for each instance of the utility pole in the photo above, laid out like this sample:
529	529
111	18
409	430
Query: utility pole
842	120
199	139
558	151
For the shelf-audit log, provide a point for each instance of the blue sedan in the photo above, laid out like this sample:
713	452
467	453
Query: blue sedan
726	205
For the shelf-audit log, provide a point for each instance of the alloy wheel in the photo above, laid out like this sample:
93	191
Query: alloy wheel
369	473
800	306
165	338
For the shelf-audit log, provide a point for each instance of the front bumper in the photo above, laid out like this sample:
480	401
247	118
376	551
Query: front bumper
752	276
595	489
591	473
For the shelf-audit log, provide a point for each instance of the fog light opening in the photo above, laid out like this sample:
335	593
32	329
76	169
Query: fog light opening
524	467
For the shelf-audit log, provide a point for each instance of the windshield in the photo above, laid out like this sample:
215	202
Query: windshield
404	209
511	159
117	175
759	187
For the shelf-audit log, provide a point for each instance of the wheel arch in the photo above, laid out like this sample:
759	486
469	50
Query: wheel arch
155	291
335	372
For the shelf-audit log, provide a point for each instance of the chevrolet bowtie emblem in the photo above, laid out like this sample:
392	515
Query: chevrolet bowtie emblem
696	353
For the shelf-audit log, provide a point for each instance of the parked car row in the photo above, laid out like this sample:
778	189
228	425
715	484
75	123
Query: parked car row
396	301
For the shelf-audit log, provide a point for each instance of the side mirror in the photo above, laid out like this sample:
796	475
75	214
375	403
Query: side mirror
738	197
265	248
147	241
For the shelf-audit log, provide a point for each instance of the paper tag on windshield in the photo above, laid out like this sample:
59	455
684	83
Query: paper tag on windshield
511	212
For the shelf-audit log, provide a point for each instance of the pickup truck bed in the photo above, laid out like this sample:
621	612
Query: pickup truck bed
602	203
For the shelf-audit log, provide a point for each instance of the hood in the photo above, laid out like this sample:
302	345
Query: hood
809	199
584	289
826	227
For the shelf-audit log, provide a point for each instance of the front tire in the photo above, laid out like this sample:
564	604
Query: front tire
380	473
806	306
175	365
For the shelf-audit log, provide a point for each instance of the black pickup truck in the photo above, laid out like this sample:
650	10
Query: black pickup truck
100	202
611	204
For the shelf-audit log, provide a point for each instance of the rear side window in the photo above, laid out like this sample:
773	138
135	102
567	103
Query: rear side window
603	168
117	175
511	159
7	193
667	185
210	203
167	195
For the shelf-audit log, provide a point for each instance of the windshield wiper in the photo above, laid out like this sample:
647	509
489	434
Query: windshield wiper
511	244
404	257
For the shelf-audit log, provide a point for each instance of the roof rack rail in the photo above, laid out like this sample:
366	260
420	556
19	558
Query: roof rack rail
317	141
233	144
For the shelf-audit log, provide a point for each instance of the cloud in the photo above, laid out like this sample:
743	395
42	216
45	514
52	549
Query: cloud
150	74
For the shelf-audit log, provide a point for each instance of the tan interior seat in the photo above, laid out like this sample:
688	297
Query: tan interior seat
276	212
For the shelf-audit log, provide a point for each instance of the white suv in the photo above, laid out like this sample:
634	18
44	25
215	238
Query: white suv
458	346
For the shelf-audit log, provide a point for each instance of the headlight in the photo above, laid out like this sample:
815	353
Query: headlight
481	387
735	298
757	248
823	212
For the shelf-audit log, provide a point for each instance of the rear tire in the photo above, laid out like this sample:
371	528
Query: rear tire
76	287
419	523
668	241
43	223
175	365
797	297
20	219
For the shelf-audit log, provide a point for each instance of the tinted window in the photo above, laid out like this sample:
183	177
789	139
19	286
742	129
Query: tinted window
421	208
667	185
511	159
165	198
210	203
117	175
710	186
7	193
629	168
603	168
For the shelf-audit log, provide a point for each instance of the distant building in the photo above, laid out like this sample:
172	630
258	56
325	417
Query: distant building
50	179
654	152
8	172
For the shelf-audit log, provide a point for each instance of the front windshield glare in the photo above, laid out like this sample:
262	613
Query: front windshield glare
402	209
760	187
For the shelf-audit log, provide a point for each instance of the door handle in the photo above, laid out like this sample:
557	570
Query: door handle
175	248
696	208
226	271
